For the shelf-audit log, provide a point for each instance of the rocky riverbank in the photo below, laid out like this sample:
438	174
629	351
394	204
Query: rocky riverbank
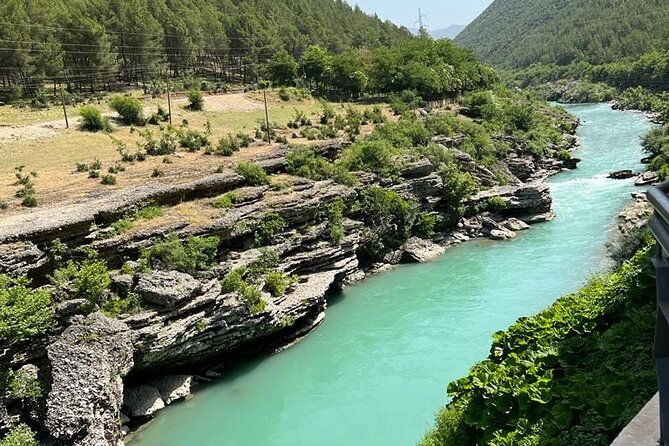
103	375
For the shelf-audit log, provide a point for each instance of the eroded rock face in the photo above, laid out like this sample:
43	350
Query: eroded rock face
167	288
19	258
173	387
142	401
87	364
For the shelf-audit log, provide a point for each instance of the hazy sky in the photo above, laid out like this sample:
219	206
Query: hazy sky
440	13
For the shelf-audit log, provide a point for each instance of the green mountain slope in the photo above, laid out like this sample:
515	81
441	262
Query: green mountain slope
518	33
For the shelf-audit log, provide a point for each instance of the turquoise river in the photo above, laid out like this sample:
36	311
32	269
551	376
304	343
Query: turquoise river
375	372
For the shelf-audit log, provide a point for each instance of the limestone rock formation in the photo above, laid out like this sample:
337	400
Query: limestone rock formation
142	401
167	288
87	364
420	250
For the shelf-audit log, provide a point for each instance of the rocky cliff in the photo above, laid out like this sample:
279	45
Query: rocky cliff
101	374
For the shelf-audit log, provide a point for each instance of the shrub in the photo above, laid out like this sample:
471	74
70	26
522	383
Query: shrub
23	386
234	281
131	304
88	278
192	140
253	298
277	283
387	216
269	227
243	139
253	174
267	260
335	218
378	157
92	120
108	180
226	201
281	139
328	113
304	162
116	168
497	203
24	313
424	225
129	108
193	255
227	145
403	134
310	134
81	167
195	100
20	435
157	173
149	213
93	174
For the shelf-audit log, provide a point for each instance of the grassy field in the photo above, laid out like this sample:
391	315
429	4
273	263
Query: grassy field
38	140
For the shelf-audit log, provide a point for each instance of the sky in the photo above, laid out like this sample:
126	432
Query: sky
439	13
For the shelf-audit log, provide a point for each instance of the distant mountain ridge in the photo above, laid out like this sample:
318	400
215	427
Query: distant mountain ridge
443	33
518	33
447	33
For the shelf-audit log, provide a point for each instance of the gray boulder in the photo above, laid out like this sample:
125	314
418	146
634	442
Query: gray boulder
87	363
167	288
622	174
173	387
420	250
647	178
142	401
513	224
502	234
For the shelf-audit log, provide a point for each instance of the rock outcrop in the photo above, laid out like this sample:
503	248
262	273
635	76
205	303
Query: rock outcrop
421	250
86	366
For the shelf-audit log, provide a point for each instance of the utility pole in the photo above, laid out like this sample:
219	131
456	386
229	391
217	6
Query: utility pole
169	100
269	134
62	100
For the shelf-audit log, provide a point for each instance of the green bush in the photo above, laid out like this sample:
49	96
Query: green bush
20	435
267	260
304	162
328	114
424	226
24	313
129	108
403	134
23	386
108	180
234	282
269	227
88	278
92	120
192	140
387	217
253	298
277	283
573	375
227	146
195	100
226	201
335	218
375	156
253	174
193	255
131	304
497	203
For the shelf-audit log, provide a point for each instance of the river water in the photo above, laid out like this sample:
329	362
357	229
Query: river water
375	373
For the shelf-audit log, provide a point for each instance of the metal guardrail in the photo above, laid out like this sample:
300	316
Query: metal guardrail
659	225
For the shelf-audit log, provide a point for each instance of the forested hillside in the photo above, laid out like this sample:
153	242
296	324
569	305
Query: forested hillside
518	33
99	41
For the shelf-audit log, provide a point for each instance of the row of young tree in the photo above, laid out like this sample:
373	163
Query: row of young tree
435	69
93	43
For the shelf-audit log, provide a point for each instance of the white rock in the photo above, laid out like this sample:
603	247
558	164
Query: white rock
173	387
143	401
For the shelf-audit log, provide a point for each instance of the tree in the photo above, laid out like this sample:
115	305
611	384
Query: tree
315	64
282	69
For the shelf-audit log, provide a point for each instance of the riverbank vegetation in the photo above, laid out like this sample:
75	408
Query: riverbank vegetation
573	375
